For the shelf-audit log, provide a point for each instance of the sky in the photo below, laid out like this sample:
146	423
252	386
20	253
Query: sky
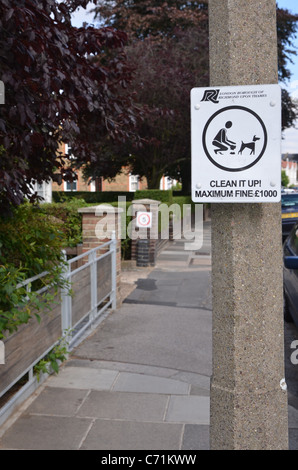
290	136
82	15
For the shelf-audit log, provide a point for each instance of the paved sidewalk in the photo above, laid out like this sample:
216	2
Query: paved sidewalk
141	380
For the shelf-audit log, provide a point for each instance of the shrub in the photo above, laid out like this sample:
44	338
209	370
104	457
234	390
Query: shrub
17	305
31	240
155	194
182	200
92	197
71	221
30	244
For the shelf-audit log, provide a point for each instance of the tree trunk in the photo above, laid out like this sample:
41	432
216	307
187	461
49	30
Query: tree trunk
153	177
153	183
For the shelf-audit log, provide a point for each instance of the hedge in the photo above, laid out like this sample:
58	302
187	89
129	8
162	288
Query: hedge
112	196
155	194
92	197
67	213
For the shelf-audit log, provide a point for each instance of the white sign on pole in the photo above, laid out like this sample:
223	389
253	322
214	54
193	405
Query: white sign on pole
236	144
144	219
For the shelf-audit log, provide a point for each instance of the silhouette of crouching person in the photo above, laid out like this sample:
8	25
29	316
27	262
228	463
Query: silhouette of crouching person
221	141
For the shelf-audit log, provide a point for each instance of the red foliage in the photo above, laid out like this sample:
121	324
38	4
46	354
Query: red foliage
56	91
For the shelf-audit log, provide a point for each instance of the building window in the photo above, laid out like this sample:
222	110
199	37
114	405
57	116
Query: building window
70	185
43	190
40	189
133	183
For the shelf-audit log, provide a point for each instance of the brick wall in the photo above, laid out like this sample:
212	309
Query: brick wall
93	221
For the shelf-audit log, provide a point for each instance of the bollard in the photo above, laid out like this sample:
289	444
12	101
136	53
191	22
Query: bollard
142	253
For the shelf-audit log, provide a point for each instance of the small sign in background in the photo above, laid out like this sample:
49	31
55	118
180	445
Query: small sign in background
144	219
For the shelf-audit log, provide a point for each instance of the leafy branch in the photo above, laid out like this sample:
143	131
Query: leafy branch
50	363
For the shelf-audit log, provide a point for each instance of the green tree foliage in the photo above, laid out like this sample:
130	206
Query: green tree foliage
144	18
67	216
284	179
165	73
286	32
169	50
30	244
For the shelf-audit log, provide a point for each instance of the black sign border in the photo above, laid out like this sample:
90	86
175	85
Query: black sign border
243	108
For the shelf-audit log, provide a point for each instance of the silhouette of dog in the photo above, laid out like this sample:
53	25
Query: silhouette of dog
249	145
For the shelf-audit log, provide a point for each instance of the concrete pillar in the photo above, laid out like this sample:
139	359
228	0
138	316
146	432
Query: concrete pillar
248	404
98	223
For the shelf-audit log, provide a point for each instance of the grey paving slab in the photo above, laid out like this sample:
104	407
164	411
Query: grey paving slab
58	401
128	382
131	435
83	378
201	381
196	437
125	367
166	337
174	251
32	432
171	264
188	409
125	406
179	289
194	390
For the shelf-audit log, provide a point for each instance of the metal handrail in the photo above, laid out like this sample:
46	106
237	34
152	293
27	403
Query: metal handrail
98	305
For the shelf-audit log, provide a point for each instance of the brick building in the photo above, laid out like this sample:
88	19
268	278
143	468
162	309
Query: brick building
290	165
124	181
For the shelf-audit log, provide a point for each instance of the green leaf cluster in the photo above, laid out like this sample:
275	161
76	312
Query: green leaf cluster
66	213
50	363
30	244
284	179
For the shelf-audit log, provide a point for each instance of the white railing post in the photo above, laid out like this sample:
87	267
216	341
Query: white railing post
66	316
113	249
93	282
